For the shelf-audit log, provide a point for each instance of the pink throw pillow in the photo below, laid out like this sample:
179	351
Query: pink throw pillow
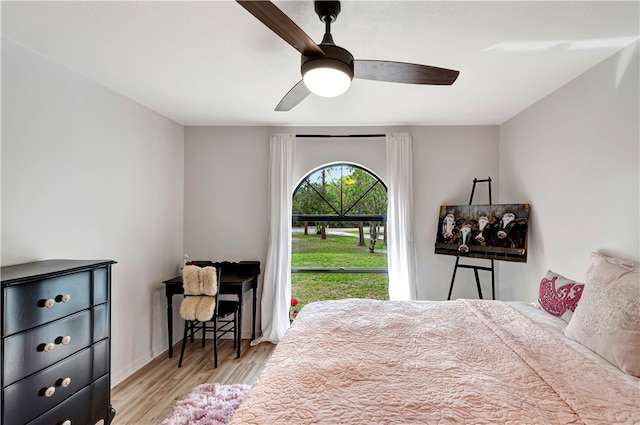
607	320
559	295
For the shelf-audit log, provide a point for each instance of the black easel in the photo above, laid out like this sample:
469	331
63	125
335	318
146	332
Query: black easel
474	267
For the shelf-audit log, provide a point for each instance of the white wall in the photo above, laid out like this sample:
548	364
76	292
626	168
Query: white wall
312	153
446	160
226	188
225	198
88	174
575	156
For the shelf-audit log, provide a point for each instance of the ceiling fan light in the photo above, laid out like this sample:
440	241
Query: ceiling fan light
327	81
329	75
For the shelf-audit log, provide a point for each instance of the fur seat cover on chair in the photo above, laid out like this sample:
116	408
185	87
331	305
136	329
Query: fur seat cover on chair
200	287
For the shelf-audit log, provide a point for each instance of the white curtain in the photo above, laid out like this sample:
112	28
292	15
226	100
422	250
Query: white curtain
276	289
400	242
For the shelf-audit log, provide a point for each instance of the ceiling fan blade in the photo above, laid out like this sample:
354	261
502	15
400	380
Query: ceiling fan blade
275	19
297	94
401	72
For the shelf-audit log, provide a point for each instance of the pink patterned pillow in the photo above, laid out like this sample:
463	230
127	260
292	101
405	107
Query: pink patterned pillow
607	320
559	295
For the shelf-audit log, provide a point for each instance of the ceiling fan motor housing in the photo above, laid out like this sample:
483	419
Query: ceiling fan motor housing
335	57
327	11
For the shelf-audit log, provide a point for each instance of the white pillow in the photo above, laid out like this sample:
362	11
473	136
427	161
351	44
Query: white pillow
607	319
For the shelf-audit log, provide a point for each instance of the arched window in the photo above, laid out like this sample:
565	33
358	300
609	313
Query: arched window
340	193
339	215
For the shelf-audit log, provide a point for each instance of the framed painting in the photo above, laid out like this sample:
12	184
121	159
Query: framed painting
498	232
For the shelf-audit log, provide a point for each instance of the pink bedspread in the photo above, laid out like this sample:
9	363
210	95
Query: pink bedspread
467	361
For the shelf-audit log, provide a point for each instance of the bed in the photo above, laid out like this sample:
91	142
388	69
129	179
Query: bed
360	361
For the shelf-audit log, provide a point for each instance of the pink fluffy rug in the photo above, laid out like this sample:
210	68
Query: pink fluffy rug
207	404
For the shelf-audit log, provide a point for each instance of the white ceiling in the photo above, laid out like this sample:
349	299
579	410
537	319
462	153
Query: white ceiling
212	63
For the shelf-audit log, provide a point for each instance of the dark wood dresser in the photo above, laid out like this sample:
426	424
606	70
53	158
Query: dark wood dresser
55	353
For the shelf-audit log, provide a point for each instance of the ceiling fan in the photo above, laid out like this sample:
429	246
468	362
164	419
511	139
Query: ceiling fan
327	69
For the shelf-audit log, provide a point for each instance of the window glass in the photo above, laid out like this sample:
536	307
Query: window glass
338	237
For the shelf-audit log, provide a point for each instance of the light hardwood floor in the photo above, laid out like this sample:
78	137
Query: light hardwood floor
147	396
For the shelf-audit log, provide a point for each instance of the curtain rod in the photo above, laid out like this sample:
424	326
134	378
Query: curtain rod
327	136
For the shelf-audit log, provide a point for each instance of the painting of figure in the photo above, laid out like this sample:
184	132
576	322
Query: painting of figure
497	232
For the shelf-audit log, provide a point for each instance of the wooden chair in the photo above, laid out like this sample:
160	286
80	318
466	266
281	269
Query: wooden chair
204	311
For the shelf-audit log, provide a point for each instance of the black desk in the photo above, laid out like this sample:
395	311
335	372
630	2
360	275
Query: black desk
236	279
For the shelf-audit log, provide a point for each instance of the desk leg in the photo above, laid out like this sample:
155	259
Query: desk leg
170	322
253	316
239	343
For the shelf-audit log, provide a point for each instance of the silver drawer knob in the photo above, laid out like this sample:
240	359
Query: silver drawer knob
67	422
66	298
49	392
49	303
66	340
66	382
49	347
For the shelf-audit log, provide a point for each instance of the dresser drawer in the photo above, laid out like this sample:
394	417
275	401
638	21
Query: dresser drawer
100	292
26	353
31	304
101	398
101	360
76	410
100	322
48	388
